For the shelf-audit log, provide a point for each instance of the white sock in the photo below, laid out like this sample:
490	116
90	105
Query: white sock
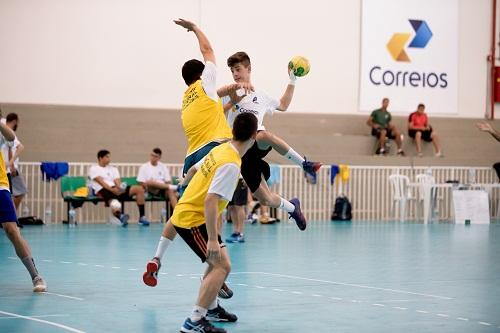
162	247
294	157
287	206
214	304
198	313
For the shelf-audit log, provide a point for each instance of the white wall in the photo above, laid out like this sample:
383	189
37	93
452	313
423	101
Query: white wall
128	53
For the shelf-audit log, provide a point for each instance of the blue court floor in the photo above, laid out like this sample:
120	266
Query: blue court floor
345	277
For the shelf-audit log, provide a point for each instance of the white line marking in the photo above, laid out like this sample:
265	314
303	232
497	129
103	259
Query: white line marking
242	284
377	304
82	264
297	292
347	284
399	308
422	311
464	319
47	260
442	315
65	262
134	269
483	323
115	267
260	287
64	327
98	265
12	258
394	301
194	277
65	296
180	275
39	316
163	273
336	298
316	295
277	289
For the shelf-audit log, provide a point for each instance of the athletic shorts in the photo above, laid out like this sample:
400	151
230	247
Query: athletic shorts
197	238
18	185
7	210
376	132
253	167
108	195
426	134
240	196
197	156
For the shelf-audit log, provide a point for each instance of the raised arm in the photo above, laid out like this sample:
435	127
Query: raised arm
7	133
286	99
485	127
205	47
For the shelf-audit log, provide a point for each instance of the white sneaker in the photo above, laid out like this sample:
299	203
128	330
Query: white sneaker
439	154
114	220
39	284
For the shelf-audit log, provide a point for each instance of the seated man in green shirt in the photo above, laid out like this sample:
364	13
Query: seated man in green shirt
382	128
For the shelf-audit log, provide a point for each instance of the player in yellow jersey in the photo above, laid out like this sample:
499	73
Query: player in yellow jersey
212	182
204	125
8	218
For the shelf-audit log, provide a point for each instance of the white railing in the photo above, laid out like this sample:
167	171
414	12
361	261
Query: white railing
368	189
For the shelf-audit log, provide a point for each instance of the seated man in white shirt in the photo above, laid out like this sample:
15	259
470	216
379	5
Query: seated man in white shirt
155	177
106	183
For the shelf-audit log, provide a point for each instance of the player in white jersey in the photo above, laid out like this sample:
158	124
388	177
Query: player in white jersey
258	103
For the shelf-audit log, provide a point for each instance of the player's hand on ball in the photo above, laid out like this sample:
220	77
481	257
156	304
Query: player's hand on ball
292	76
185	24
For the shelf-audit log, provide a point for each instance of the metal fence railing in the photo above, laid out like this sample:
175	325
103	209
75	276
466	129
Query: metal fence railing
368	189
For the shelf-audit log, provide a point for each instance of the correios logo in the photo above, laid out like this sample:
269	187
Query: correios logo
396	45
397	50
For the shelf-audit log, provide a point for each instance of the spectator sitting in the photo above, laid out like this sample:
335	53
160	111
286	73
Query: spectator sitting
486	127
107	184
419	128
155	177
382	128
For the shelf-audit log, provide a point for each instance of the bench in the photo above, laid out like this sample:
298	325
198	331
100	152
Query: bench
70	184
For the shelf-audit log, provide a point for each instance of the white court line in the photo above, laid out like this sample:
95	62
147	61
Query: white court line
464	319
64	327
297	292
134	269
98	265
346	284
82	264
115	267
65	296
12	258
316	295
65	262
442	315
39	316
376	304
277	289
336	298
399	308
483	323
47	260
260	287
422	311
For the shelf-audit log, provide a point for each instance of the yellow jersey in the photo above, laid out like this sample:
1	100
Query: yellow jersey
203	118
190	210
4	181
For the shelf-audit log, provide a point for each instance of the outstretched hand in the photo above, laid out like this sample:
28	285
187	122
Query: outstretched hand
484	126
185	24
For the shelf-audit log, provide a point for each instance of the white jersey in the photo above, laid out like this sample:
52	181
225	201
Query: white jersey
257	103
5	146
108	174
158	172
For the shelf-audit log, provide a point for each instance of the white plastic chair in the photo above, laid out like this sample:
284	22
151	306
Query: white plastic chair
401	195
422	180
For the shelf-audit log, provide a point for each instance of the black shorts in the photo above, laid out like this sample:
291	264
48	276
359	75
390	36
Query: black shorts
240	196
197	238
376	132
108	195
253	167
426	134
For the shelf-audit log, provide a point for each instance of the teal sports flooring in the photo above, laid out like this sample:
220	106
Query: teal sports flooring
333	277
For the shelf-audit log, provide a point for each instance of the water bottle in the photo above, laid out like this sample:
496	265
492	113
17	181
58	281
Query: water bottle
123	186
472	176
163	215
72	217
26	211
89	187
48	214
428	172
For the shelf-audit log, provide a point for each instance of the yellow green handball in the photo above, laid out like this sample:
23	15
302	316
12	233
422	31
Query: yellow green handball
299	65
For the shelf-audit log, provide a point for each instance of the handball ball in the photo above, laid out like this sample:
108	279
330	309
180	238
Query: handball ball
115	205
299	65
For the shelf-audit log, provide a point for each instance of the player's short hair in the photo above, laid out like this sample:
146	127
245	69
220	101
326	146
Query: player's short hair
101	153
244	126
421	105
11	117
239	58
191	71
157	151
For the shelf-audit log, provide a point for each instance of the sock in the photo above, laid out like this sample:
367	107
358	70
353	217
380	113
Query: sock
214	304
198	313
294	157
141	210
287	206
29	263
162	247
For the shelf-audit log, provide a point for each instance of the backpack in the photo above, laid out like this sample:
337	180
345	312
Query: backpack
30	220
342	210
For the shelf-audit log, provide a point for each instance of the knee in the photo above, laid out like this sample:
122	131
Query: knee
418	135
263	136
11	230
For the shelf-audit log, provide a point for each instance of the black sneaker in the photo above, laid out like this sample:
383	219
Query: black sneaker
297	215
200	326
220	314
225	292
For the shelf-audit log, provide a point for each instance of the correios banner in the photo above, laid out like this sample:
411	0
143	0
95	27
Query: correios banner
409	54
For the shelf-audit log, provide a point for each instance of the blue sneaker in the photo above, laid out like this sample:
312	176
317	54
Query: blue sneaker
297	215
220	314
310	169
200	326
235	238
143	221
124	219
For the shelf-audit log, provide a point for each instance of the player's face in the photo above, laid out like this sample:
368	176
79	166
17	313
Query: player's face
240	73
385	103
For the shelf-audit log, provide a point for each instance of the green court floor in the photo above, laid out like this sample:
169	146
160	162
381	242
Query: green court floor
333	277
